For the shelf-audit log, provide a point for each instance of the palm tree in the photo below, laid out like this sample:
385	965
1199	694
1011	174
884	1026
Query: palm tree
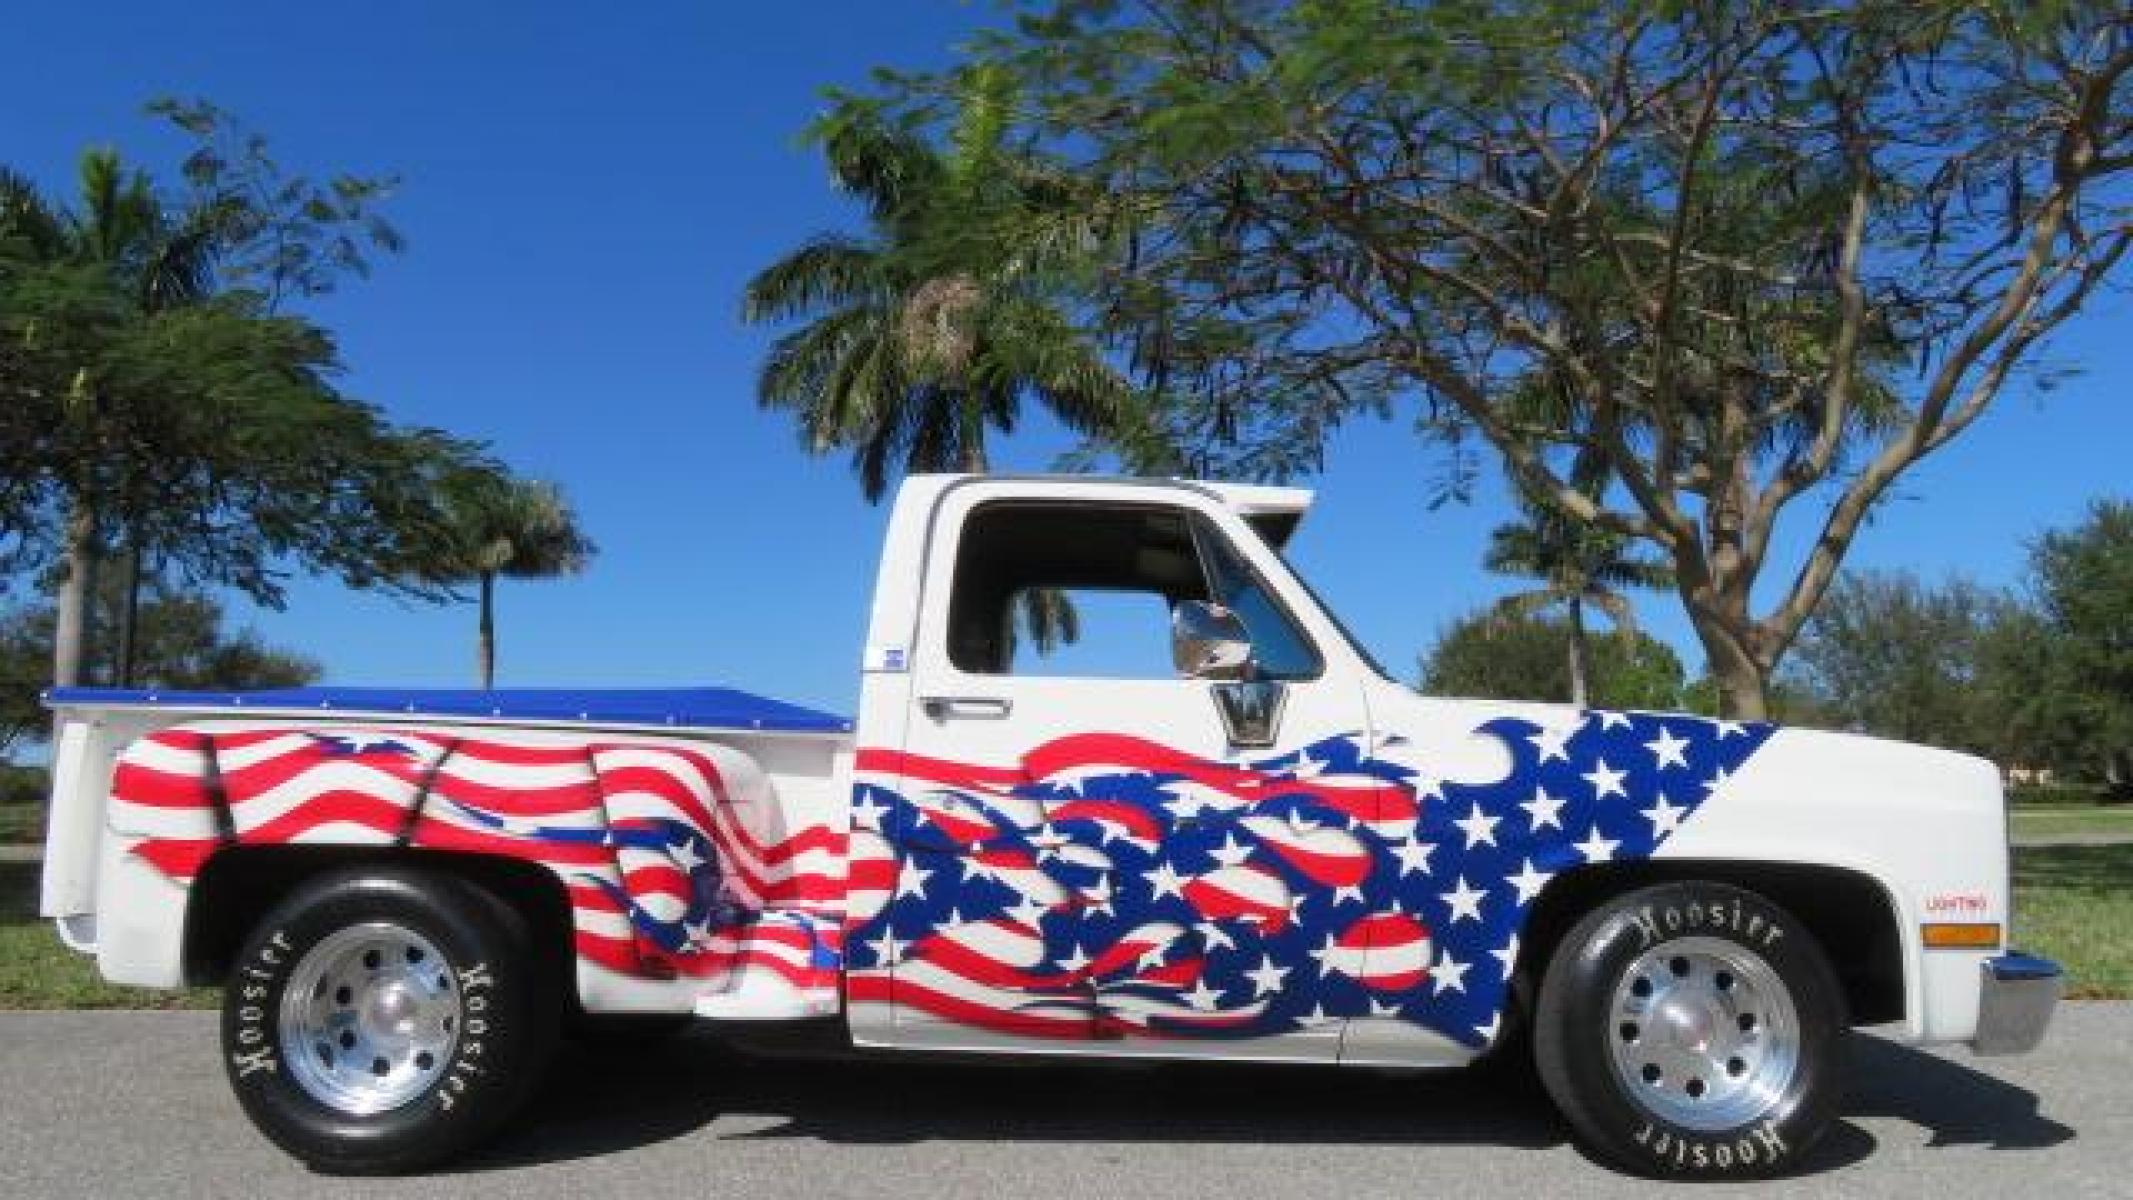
523	529
1579	567
929	332
932	329
121	241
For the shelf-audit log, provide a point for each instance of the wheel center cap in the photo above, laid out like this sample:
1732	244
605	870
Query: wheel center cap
390	1008
1688	1024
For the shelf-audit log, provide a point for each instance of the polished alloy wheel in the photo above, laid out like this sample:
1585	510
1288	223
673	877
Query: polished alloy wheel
1704	1033
369	1018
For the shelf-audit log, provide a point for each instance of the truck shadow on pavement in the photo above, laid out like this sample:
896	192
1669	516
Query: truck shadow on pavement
1958	1105
602	1101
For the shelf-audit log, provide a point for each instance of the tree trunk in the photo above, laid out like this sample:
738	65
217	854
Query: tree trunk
129	622
1743	691
70	634
1743	682
485	654
1580	693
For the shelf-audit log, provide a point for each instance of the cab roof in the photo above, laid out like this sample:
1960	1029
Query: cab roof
1274	511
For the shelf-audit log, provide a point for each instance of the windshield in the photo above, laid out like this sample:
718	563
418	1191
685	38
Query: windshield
1279	649
1339	626
1347	635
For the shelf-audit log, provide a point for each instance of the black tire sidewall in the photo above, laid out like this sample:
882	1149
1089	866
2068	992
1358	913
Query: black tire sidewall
504	1031
627	1031
1574	1024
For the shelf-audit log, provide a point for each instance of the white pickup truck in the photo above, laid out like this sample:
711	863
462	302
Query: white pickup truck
1235	838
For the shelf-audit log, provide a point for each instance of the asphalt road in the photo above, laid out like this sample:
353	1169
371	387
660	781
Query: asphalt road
119	1104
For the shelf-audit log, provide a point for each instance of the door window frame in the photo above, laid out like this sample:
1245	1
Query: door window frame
962	500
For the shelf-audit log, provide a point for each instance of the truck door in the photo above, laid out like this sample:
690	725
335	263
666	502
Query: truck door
1088	846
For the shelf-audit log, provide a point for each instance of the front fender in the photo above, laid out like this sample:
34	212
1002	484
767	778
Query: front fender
1928	825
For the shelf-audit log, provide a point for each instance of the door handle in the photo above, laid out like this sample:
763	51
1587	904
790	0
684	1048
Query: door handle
983	708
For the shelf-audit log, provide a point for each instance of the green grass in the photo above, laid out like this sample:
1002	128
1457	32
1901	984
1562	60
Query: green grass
21	823
2073	821
38	971
2075	904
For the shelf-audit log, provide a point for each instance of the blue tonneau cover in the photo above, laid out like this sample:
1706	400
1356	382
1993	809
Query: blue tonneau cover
689	708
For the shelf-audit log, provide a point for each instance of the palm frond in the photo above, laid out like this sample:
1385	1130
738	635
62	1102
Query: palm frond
830	271
1521	605
887	168
1618	610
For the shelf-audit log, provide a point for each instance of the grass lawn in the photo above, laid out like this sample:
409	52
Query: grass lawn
37	971
2074	820
2072	903
21	823
2075	904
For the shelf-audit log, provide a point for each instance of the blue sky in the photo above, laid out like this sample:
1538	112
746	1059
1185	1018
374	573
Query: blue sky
585	191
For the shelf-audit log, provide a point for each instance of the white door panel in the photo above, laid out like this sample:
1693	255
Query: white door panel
1092	859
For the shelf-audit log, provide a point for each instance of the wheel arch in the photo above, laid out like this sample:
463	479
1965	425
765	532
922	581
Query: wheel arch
241	883
1852	915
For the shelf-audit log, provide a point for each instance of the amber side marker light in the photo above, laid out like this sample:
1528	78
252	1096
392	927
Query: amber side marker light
1955	936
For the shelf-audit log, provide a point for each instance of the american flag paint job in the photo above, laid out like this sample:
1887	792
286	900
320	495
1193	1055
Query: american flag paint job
1105	887
678	861
1108	886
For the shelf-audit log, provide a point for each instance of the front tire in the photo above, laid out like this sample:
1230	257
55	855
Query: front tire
1692	1029
382	1020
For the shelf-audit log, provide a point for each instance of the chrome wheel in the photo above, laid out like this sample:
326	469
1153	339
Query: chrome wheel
1704	1033
369	1018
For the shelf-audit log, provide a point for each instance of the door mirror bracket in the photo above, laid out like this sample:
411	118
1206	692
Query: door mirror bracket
1251	710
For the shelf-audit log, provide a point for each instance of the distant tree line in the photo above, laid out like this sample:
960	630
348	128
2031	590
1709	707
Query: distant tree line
182	641
2038	677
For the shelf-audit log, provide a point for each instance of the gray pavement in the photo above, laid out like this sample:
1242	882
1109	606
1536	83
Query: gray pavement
121	1104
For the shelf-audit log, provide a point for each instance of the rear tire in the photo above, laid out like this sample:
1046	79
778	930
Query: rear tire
1692	1029
380	1020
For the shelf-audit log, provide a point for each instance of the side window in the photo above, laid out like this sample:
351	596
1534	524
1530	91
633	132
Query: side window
1054	589
1279	648
1081	590
1095	633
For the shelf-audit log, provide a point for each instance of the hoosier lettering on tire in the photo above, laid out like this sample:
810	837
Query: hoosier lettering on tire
1692	1028
379	1020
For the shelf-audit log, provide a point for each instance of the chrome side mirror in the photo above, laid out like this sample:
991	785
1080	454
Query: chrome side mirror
1208	641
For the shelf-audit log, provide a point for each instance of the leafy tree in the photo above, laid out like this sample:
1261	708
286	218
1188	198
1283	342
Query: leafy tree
281	235
117	253
523	529
2079	706
183	643
1490	655
1891	655
1768	255
187	422
24	659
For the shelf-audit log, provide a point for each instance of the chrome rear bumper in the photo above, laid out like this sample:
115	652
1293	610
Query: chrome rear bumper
2016	997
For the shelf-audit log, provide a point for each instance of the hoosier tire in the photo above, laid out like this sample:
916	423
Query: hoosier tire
380	1020
1692	1029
